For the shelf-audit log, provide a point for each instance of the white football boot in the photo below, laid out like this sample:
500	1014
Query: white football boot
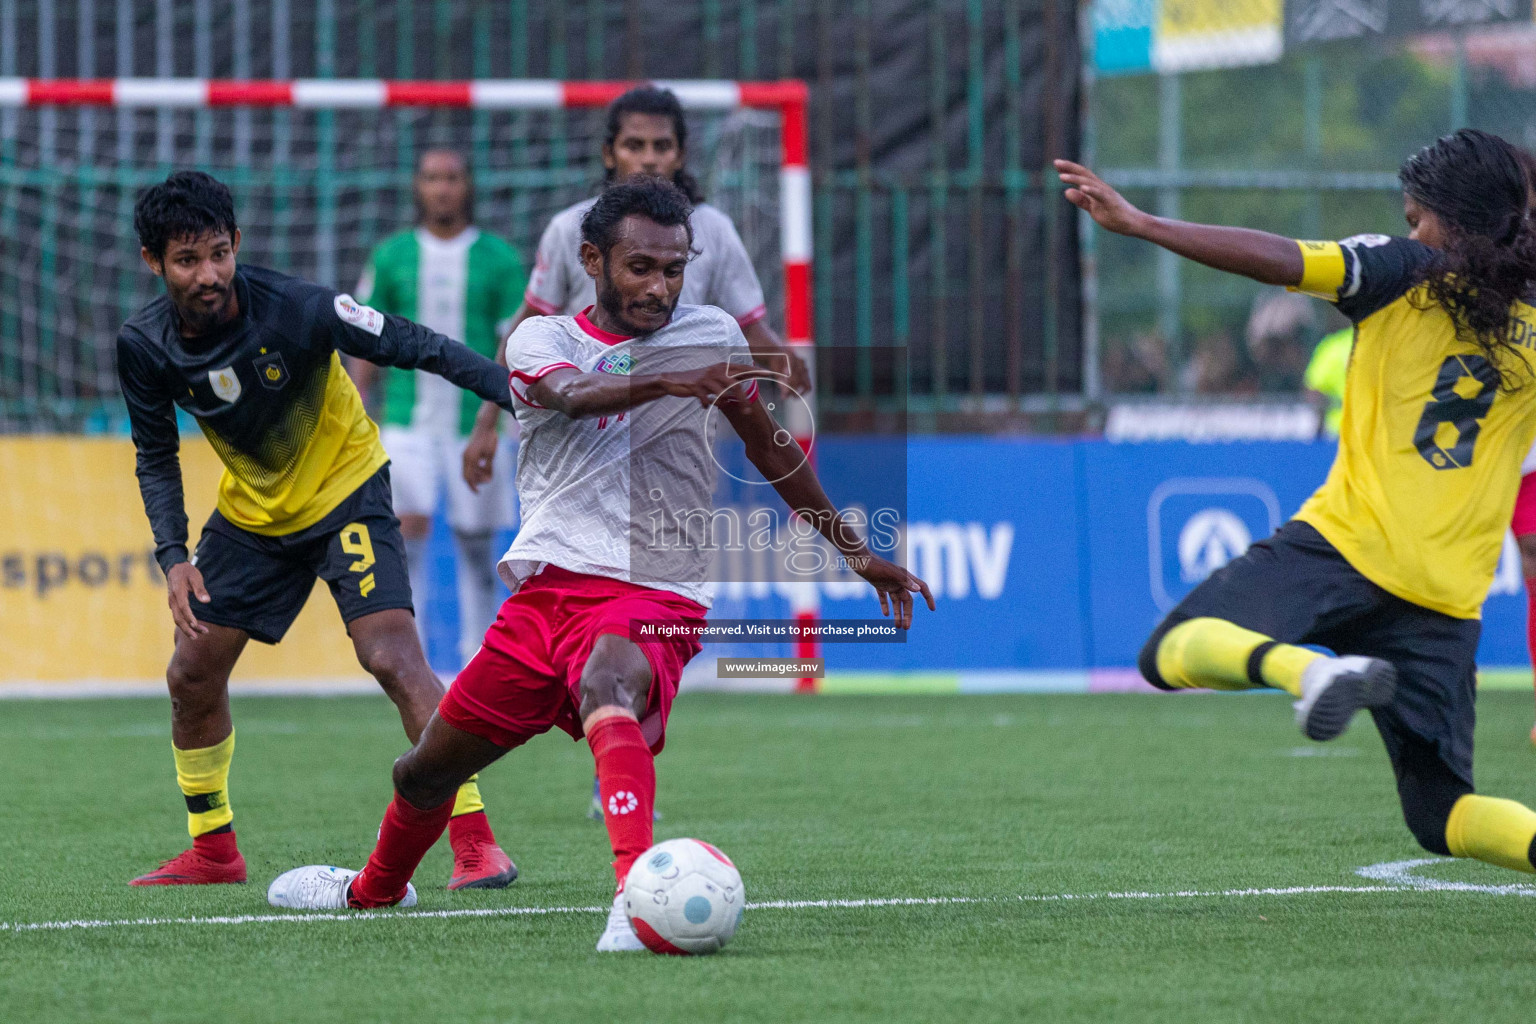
319	887
1333	689
619	936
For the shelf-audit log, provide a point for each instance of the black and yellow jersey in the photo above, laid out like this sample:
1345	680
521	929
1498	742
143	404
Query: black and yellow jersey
268	390
1421	492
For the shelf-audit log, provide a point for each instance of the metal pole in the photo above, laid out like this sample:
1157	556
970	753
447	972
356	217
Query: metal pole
242	65
1459	85
282	138
1093	386
202	56
1170	134
85	67
165	67
10	126
47	119
1312	136
124	68
325	146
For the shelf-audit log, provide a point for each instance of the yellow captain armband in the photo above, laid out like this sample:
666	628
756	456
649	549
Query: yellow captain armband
1322	269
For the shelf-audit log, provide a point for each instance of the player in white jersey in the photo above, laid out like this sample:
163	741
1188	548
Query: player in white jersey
610	583
647	134
464	283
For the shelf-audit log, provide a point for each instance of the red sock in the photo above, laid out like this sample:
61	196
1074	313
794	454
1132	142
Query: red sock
626	785
218	846
469	827
404	838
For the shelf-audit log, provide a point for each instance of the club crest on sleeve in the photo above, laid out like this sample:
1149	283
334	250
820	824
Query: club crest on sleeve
616	362
366	317
272	371
225	384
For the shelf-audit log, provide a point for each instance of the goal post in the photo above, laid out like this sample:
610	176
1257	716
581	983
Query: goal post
320	169
786	98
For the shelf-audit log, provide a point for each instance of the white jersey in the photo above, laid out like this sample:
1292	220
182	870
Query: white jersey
720	273
624	496
440	293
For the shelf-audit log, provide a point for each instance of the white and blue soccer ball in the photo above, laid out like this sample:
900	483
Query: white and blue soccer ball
684	897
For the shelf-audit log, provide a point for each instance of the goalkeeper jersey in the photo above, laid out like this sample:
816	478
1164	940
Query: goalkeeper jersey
467	288
1424	482
269	393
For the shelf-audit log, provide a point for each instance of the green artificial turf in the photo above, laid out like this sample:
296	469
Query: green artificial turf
847	798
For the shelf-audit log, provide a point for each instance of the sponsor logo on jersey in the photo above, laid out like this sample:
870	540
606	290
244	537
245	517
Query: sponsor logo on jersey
616	362
225	384
366	317
272	371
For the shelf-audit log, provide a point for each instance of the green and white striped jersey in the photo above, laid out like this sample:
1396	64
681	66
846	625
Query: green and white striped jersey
468	288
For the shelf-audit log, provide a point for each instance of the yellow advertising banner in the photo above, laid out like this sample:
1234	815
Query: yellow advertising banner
1197	34
82	600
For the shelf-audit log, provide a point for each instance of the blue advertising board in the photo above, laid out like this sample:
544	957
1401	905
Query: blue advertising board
1045	556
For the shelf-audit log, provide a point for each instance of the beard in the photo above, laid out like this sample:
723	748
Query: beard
612	301
200	317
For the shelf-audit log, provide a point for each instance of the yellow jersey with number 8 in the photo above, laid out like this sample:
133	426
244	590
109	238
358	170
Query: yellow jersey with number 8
1422	489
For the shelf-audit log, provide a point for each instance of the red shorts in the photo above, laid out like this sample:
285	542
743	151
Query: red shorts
1525	507
526	676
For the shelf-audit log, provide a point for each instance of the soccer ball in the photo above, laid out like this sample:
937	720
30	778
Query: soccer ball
684	897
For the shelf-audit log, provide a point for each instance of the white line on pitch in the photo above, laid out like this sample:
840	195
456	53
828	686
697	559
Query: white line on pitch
1397	873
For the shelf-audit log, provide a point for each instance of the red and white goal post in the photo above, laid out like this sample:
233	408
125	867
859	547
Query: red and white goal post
787	98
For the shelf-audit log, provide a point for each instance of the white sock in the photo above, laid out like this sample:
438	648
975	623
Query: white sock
416	568
478	590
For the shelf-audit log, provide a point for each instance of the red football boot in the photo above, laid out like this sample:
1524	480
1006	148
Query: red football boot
478	863
213	860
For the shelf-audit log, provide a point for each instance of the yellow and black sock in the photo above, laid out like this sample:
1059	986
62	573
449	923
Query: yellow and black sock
468	799
1496	831
1217	655
203	775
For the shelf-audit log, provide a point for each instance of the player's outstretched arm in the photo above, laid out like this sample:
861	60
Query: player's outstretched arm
781	461
388	340
581	395
1268	258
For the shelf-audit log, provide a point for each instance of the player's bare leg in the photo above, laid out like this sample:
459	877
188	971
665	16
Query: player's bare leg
1527	543
615	685
387	646
388	650
203	741
427	778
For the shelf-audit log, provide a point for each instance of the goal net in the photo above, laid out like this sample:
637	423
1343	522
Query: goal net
321	171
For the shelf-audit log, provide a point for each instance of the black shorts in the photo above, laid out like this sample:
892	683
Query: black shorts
260	584
1298	589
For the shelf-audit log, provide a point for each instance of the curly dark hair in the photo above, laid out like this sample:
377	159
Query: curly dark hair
655	198
652	99
188	204
1479	187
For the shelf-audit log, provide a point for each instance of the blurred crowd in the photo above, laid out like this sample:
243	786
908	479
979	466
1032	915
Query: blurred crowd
1290	347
